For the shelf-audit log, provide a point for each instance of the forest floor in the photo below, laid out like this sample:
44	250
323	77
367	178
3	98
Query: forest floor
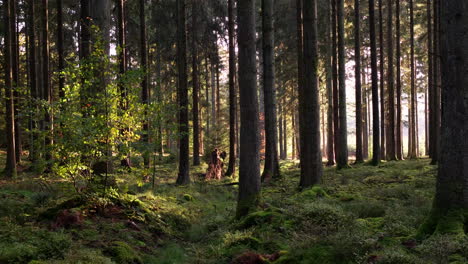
363	214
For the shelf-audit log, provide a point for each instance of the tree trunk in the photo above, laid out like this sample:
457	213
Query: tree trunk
60	49
430	83
183	177
281	133
232	91
390	130
32	72
336	114
122	58
15	81
437	85
309	107
145	81
357	75
412	126
329	72
196	87
249	169
342	161
382	84
10	167
365	110
46	91
85	34
451	202
375	87
271	168
398	137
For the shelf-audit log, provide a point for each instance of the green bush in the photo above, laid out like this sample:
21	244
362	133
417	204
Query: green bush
122	253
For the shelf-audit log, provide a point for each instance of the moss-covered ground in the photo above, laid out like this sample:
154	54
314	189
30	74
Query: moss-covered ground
363	214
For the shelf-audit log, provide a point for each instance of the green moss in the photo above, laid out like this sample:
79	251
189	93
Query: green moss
261	218
314	192
247	205
318	254
188	197
121	252
443	222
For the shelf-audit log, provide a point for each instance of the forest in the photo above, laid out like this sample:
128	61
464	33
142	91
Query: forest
237	132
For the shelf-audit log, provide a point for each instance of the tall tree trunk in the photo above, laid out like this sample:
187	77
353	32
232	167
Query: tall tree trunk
451	201
60	49
46	91
412	126
183	176
10	167
285	131
375	87
122	58
398	137
382	83
430	83
436	127
300	64
426	125
15	82
32	72
336	114
390	130
271	168
214	121
85	34
365	110
329	72
249	169
309	108
281	134
207	98
196	87
145	81
357	75
342	161
232	91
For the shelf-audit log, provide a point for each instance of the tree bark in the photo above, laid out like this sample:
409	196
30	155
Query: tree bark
249	169
271	168
183	176
412	148
329	73
342	161
60	49
196	87
451	202
382	84
145	81
46	88
436	127
357	76
232	91
398	137
336	114
15	80
390	130
10	167
32	72
375	87
309	107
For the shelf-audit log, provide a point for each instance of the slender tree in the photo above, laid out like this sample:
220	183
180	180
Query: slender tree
16	78
382	82
32	76
60	48
196	87
249	169
436	108
46	87
398	130
232	91
375	87
309	109
342	161
85	34
412	125
182	95
450	203
390	130
10	168
336	114
329	72
271	168
145	81
357	76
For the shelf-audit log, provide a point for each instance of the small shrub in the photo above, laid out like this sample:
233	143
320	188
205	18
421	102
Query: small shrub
121	252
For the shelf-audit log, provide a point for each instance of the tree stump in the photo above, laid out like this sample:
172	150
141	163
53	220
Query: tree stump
216	165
